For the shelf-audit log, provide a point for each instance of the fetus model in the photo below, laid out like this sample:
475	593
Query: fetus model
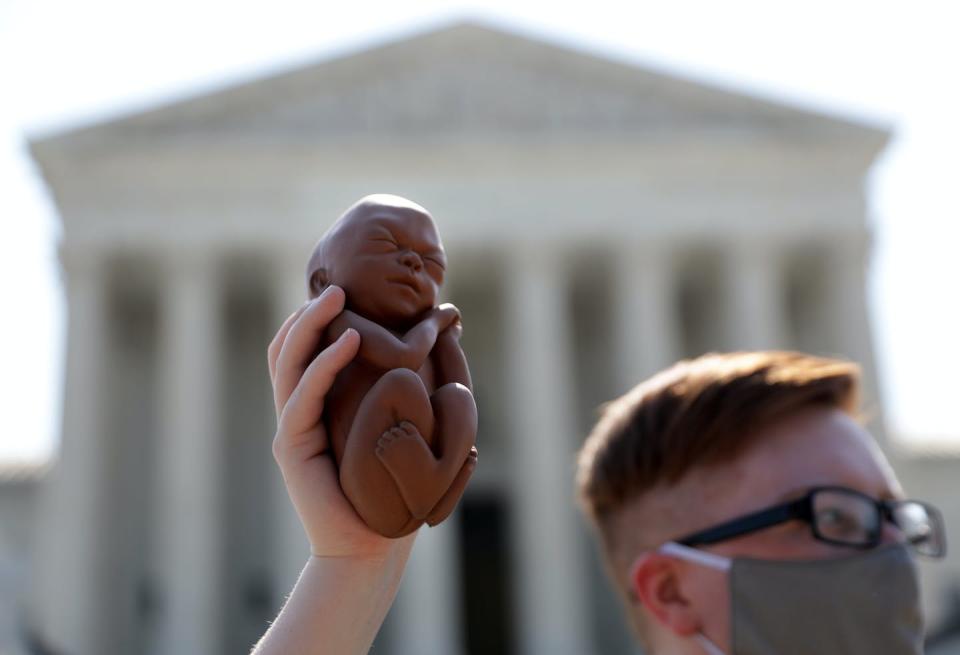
401	417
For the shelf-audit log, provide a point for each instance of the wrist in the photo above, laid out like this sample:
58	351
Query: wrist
368	568
377	550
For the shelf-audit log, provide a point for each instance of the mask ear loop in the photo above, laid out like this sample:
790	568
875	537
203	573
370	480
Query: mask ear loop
718	562
707	645
686	553
673	549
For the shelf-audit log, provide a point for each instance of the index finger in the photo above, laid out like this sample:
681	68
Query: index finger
273	350
302	342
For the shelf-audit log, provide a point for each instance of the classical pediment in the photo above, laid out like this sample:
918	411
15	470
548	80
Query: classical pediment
465	80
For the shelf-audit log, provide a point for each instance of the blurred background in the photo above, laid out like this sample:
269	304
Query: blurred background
617	187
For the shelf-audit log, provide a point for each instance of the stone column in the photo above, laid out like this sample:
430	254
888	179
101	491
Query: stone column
428	605
851	337
290	548
646	329
68	596
190	480
549	566
846	298
754	307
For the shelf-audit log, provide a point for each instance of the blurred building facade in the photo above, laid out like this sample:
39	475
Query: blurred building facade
932	473
19	486
601	221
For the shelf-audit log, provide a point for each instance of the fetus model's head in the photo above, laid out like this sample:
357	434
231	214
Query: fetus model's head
385	252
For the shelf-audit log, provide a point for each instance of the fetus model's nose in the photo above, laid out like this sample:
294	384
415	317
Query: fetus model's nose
411	260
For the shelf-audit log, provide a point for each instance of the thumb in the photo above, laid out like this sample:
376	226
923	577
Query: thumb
304	410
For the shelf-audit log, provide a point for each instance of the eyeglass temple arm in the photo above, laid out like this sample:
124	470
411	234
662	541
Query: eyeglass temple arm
751	523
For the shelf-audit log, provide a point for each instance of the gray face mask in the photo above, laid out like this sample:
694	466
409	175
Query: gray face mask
867	604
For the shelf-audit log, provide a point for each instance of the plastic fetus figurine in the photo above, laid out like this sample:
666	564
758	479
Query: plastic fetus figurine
401	417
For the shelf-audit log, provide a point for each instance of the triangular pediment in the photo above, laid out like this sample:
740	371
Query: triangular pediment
466	79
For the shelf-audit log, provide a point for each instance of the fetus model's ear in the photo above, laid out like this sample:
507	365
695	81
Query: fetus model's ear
317	282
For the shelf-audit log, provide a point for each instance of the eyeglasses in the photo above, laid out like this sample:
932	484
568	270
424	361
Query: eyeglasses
841	516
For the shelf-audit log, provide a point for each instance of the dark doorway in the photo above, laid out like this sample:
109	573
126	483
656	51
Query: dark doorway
485	539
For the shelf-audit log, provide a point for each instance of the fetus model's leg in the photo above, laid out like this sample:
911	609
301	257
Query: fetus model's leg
449	501
423	477
399	395
455	412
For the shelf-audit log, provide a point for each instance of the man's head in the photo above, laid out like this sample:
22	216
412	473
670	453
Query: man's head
707	441
386	254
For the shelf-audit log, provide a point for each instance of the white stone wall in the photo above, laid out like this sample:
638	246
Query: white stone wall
18	490
935	478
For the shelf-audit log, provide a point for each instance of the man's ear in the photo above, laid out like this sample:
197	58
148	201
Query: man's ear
656	581
318	282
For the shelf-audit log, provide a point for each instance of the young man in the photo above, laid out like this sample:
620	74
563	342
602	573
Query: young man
742	508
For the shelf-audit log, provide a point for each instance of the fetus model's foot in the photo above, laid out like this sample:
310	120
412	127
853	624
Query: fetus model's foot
402	448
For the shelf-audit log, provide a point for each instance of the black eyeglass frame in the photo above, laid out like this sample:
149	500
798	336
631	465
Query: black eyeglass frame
803	509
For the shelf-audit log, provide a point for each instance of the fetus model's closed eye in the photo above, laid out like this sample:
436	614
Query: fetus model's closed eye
401	417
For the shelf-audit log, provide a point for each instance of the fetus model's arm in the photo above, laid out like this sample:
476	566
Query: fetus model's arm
448	357
381	348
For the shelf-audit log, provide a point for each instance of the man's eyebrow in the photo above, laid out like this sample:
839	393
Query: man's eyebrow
794	494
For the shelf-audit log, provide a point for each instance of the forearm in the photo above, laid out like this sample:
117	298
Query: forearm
417	343
450	360
337	605
383	349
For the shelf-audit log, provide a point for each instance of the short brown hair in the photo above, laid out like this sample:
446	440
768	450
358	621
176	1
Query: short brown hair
700	412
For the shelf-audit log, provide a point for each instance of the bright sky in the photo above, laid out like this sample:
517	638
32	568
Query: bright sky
892	63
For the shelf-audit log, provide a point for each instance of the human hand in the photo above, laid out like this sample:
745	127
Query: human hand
301	446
